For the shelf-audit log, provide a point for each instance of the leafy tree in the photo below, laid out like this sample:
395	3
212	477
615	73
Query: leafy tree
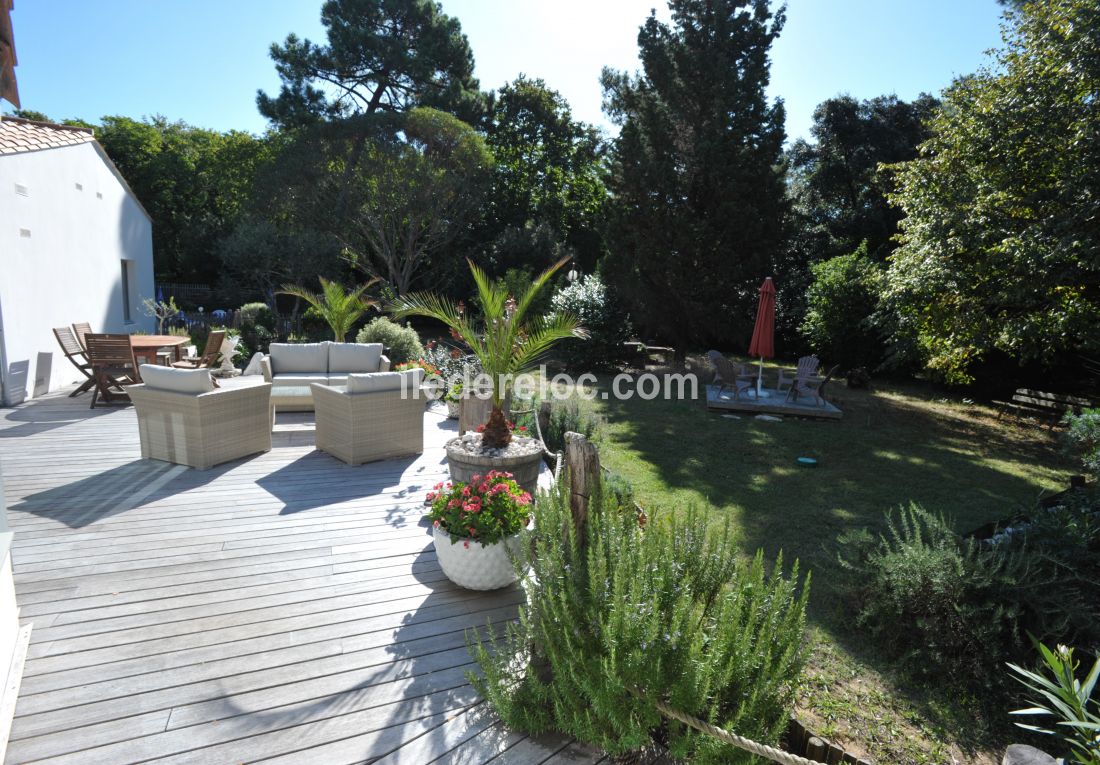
382	55
194	183
841	303
699	200
840	192
413	195
339	308
259	255
547	192
1000	249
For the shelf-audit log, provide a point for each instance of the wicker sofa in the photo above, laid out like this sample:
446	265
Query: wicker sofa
300	365
183	419
375	417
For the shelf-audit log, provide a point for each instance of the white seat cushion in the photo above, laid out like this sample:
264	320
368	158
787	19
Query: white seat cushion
299	379
176	380
337	379
297	358
373	382
354	357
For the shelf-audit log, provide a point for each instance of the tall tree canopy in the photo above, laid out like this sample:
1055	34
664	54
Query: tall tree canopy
699	199
1000	247
195	184
382	55
840	192
547	185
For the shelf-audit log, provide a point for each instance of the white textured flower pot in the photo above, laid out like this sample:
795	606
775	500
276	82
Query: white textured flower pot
453	408
476	566
524	468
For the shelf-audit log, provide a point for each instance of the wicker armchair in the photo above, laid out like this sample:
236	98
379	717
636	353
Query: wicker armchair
363	427
203	429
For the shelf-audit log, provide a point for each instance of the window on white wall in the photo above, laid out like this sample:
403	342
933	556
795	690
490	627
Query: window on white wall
126	269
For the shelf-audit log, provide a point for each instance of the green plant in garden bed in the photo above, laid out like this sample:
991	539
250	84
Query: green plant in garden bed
1082	439
339	308
670	611
487	509
1060	695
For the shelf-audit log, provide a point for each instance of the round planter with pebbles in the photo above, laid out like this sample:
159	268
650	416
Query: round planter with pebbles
522	458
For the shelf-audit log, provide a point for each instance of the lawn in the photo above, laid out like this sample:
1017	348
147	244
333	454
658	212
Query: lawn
895	445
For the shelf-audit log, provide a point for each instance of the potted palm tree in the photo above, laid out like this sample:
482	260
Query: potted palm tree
507	342
339	308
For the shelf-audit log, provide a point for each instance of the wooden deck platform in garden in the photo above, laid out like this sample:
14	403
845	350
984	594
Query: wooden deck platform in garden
284	608
775	403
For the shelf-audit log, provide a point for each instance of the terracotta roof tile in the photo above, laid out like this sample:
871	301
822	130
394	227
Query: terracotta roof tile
19	135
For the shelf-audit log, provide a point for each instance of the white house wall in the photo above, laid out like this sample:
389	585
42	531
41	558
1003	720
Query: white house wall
66	223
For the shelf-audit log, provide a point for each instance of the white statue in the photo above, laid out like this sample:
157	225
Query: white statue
229	350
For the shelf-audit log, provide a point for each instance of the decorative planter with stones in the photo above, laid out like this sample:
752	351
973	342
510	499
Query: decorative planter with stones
522	458
476	566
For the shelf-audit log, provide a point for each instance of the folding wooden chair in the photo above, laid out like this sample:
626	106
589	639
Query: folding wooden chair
74	353
80	330
209	354
113	367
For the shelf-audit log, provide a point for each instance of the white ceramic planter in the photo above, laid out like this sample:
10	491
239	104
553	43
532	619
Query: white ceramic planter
453	408
476	566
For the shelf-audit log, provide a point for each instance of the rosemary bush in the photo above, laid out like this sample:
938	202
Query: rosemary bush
936	601
669	612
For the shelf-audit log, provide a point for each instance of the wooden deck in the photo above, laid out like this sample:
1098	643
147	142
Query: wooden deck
284	608
773	402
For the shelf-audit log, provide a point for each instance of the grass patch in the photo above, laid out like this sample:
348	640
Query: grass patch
895	445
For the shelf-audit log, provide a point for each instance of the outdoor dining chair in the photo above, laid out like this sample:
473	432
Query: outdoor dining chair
113	367
75	353
81	329
209	353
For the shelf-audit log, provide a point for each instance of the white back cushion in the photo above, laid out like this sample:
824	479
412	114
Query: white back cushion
299	357
177	380
354	357
374	382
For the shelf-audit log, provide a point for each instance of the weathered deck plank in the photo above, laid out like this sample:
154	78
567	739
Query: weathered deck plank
285	608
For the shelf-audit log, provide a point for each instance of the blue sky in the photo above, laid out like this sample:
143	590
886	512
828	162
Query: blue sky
202	61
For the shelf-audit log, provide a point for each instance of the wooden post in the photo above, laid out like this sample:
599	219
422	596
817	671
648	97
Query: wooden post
583	461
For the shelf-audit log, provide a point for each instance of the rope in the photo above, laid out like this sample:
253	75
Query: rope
761	750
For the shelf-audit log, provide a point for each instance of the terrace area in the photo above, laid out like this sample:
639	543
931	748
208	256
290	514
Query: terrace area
284	608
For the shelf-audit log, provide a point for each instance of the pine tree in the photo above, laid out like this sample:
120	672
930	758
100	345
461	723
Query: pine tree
700	207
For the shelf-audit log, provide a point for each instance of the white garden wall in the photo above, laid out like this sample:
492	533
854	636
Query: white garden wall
67	222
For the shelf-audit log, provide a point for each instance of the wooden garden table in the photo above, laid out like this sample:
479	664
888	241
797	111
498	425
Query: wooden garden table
147	345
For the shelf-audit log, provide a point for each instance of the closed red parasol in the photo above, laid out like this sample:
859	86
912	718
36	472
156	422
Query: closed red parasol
763	334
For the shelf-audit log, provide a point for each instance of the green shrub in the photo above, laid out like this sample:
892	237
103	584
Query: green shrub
590	300
1060	596
569	415
401	343
932	599
257	315
840	304
669	612
257	326
1082	439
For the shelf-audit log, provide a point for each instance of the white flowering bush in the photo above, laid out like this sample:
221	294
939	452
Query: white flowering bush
608	325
